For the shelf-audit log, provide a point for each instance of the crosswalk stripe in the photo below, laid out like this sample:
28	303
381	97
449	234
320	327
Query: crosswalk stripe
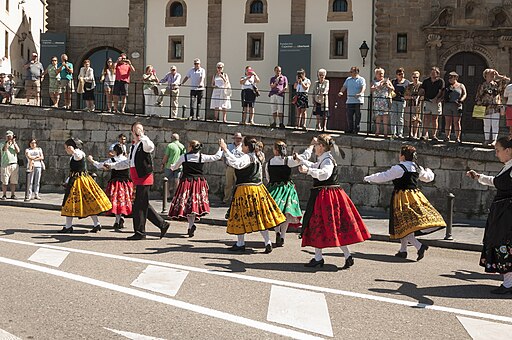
161	280
299	308
7	336
133	336
49	257
485	330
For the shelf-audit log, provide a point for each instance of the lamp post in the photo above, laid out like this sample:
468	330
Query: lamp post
364	50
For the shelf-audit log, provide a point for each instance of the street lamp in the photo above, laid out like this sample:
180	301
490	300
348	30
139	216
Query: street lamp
364	50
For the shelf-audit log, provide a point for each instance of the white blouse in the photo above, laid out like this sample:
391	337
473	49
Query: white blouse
489	180
321	172
194	158
278	160
396	171
99	165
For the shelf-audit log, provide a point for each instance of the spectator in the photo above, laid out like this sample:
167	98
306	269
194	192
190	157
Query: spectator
355	85
398	104
489	95
278	88
173	80
221	93
123	68
33	79
302	85
249	94
108	77
236	149
197	75
3	92
321	99
454	95
9	164
9	86
507	97
173	151
413	106
54	87
35	165
66	80
121	140
432	90
86	77
381	92
150	88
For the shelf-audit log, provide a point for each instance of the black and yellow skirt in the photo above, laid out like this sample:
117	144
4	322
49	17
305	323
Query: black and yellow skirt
84	197
253	209
411	212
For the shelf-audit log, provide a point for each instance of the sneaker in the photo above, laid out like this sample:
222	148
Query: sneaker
36	197
13	197
4	198
27	199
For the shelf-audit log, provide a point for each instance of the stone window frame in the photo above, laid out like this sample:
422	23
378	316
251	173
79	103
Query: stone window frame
402	35
172	40
256	18
175	21
334	36
251	37
339	16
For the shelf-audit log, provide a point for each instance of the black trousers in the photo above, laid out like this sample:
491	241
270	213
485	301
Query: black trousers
142	210
353	118
195	102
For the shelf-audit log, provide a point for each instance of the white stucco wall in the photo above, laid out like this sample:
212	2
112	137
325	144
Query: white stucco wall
99	13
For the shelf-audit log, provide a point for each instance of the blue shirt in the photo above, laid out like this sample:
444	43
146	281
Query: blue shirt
64	74
354	86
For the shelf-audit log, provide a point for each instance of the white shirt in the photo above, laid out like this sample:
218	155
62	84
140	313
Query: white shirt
306	81
508	94
325	171
248	83
34	153
196	78
78	155
194	158
241	162
235	150
99	165
88	75
278	160
147	146
396	171
489	180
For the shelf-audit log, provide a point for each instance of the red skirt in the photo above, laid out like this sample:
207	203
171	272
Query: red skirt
120	194
332	220
191	197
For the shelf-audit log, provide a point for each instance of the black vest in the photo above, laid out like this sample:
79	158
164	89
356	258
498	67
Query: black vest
331	181
279	173
193	170
503	184
77	166
250	174
119	175
409	180
143	161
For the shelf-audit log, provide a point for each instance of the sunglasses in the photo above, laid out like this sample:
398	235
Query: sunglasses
54	59
414	77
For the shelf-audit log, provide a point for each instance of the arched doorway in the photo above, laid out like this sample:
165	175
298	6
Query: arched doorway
470	67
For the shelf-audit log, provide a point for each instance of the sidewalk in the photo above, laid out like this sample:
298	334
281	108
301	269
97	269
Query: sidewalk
467	234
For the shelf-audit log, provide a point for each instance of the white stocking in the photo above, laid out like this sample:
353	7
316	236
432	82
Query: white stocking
266	236
284	226
191	219
318	254
403	244
95	220
240	242
412	240
346	252
507	280
69	222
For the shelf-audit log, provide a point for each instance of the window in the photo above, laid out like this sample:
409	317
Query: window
255	46
7	5
176	13
340	10
22	50
338	45
256	12
176	48
339	6
401	43
6	47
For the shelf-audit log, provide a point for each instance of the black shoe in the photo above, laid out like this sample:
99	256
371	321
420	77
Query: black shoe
121	223
164	229
191	231
279	240
136	237
502	290
96	228
282	126
401	254
349	262
116	226
421	252
234	247
313	263
268	248
66	230
273	125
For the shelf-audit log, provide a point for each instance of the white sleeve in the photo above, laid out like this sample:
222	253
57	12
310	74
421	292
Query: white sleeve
237	162
267	175
212	158
292	163
178	163
306	154
98	165
78	154
324	172
380	177
121	165
147	144
486	180
426	175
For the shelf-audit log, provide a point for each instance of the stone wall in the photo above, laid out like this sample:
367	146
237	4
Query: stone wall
364	155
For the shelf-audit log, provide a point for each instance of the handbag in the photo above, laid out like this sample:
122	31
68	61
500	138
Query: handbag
88	86
479	111
295	99
255	90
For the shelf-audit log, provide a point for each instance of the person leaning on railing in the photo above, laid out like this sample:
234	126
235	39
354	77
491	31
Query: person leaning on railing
381	91
321	100
413	106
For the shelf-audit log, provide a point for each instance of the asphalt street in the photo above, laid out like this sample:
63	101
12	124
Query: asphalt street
100	286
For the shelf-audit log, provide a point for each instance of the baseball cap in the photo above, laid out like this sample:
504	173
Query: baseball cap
173	67
237	135
197	61
9	133
250	70
454	74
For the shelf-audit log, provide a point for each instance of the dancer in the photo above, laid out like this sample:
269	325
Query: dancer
411	213
497	243
282	189
119	188
191	198
331	219
83	197
252	207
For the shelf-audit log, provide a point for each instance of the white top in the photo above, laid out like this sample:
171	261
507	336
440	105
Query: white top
194	158
147	146
196	78
325	171
300	88
508	94
240	162
88	75
99	165
488	180
110	77
396	171
248	83
278	160
37	152
78	155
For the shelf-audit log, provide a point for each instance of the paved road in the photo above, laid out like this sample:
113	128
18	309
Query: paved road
100	286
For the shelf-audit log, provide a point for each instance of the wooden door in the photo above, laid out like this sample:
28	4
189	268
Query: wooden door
337	106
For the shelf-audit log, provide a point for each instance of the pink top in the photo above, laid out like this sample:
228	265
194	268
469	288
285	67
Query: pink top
123	72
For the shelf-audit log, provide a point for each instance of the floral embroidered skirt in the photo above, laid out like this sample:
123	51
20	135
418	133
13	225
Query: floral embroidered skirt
497	259
84	197
253	209
191	197
120	194
411	212
285	195
332	220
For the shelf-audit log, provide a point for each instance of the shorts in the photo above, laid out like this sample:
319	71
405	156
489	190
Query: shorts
412	114
10	174
120	88
172	174
248	98
452	109
508	115
276	103
67	85
432	108
317	110
32	87
109	86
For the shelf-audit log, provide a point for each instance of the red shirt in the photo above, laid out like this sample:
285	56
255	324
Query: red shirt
123	72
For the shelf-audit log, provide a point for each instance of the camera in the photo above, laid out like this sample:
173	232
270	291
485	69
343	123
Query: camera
13	136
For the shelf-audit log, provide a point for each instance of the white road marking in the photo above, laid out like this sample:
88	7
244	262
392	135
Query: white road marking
49	257
275	282
485	330
7	336
266	327
133	336
301	309
161	280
